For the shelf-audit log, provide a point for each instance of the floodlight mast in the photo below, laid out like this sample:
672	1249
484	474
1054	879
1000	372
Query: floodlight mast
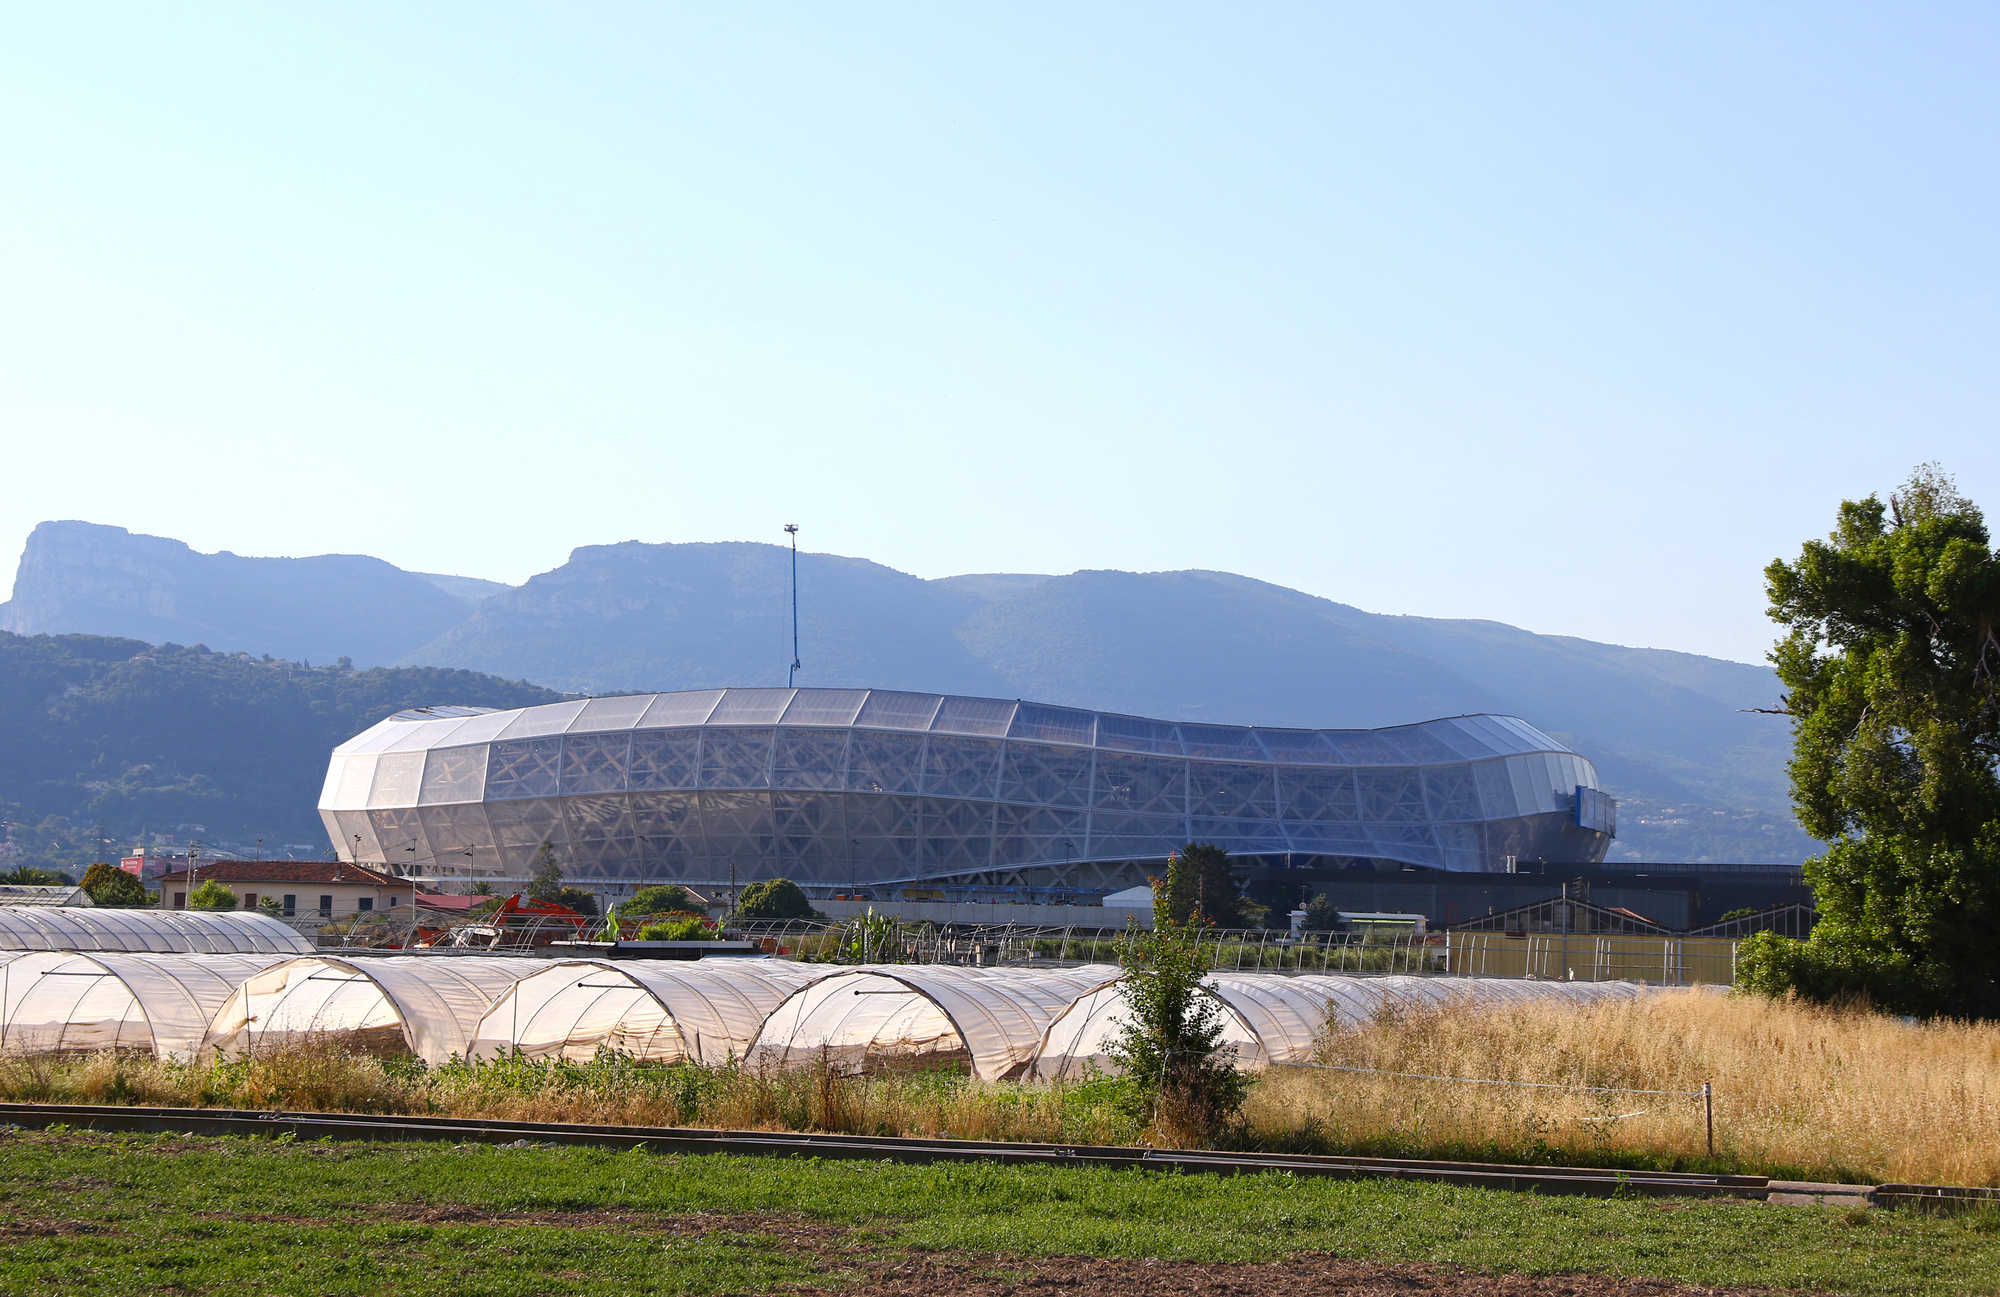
792	530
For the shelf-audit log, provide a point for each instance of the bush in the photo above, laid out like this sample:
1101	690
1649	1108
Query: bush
211	895
776	898
677	927
1768	964
1182	1081
111	886
662	898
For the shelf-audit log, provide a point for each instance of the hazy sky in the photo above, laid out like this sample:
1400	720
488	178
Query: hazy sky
1570	316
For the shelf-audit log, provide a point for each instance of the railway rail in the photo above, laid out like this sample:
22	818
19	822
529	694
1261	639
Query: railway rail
1587	1181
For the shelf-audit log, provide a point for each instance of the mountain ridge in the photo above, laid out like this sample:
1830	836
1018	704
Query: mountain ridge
1699	776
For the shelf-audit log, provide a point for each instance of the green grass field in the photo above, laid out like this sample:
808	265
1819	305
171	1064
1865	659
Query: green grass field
89	1213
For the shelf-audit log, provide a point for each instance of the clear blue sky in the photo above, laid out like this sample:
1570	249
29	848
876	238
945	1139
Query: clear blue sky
1569	316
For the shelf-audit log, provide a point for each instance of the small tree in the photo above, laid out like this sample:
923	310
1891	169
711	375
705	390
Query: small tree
776	898
1181	1081
1199	883
272	906
211	895
545	874
111	886
1322	915
661	898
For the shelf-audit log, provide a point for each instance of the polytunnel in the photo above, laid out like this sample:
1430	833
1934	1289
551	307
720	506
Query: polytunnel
862	1017
197	932
1272	1018
55	1002
654	1010
426	1005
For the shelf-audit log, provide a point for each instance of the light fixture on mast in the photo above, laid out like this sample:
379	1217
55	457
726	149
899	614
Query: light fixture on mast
792	530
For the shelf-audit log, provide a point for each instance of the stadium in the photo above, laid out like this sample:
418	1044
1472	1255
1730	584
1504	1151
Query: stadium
848	789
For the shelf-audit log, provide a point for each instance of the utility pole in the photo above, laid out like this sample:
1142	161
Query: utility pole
792	530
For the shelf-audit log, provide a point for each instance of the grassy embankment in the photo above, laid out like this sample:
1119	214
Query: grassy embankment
87	1213
1800	1092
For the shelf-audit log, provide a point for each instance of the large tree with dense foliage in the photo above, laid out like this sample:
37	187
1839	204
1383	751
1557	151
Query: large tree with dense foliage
776	898
109	885
1892	669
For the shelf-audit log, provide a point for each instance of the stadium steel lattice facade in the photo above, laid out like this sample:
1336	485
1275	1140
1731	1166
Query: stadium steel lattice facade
851	788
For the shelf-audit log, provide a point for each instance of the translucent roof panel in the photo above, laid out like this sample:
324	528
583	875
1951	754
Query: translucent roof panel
1298	747
1053	724
1463	742
883	1014
621	712
890	709
691	707
1418	744
1137	734
1362	747
1228	741
985	716
161	931
534	722
54	1002
751	706
482	729
419	735
655	1011
824	707
429	1006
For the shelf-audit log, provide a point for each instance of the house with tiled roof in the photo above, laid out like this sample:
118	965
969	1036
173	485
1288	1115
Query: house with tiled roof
301	887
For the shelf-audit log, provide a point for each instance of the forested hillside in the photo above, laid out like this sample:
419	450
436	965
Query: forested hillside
104	738
1699	775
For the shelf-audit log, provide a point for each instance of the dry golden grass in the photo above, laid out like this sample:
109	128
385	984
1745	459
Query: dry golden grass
324	1076
1827	1093
1799	1090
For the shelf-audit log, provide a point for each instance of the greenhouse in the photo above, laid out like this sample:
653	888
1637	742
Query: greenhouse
55	1002
869	1018
427	1006
654	1011
196	932
1274	1019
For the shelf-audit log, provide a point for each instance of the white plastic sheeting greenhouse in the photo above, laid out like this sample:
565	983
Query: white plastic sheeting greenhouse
868	1017
227	932
54	1002
1270	1018
429	1006
656	1011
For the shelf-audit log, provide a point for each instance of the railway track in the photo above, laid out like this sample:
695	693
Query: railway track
1589	1181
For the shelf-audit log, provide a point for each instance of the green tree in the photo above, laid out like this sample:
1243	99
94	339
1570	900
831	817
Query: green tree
29	876
661	898
1180	1079
545	874
775	898
211	895
1199	883
1891	665
1322	915
111	886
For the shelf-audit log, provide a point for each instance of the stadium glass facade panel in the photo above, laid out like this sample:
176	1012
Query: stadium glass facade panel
847	787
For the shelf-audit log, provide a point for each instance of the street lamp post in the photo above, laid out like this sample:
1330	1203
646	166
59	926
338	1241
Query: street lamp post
792	530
